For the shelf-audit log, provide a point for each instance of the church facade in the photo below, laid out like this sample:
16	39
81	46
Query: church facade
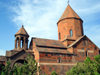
59	55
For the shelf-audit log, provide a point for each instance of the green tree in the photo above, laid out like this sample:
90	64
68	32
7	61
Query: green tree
7	70
54	73
88	67
28	68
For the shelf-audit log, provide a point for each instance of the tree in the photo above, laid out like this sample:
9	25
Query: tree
28	68
53	73
88	67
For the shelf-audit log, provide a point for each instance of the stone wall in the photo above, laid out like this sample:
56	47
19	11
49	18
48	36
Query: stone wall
55	58
60	68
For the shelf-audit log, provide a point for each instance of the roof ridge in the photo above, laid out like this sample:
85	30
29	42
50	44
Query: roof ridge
44	39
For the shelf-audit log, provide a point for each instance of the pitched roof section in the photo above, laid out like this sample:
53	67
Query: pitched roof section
22	31
51	46
69	13
48	43
2	58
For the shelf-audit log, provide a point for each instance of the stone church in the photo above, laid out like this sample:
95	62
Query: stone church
59	55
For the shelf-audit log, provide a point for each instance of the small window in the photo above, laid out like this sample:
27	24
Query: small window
95	48
59	60
86	53
71	33
59	35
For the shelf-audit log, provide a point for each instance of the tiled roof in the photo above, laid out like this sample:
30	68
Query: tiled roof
2	58
15	52
48	43
52	46
53	50
22	31
69	13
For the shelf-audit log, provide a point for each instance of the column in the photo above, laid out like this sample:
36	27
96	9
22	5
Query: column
19	41
24	46
26	43
15	43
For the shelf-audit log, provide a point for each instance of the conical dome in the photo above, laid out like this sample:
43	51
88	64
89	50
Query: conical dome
22	31
69	13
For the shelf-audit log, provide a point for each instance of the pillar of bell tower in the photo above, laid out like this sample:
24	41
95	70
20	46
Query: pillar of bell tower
70	26
21	39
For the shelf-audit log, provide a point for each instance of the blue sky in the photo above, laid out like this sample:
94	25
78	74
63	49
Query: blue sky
39	18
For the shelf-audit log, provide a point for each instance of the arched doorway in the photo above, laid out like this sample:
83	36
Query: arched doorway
20	62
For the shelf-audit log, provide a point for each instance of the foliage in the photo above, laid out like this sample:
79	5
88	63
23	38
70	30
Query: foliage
28	68
53	73
88	67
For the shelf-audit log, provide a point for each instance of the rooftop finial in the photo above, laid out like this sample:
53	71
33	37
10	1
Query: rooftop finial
68	2
22	25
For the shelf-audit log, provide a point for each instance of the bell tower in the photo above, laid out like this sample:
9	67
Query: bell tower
70	26
21	39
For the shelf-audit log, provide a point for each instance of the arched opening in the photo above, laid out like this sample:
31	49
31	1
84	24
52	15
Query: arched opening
20	62
86	53
17	42
71	33
22	42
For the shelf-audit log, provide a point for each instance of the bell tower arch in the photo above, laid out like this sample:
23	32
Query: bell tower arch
21	39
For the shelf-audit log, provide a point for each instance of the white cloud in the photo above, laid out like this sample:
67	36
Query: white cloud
39	17
93	33
90	10
2	52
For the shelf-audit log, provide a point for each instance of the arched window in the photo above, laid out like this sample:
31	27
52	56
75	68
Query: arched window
59	60
59	35
71	33
17	42
86	53
21	43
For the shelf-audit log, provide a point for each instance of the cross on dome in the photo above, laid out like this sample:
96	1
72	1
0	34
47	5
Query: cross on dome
68	2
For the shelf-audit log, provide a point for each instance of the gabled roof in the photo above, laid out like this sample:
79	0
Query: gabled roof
79	39
76	41
22	31
69	13
48	43
22	51
15	52
2	58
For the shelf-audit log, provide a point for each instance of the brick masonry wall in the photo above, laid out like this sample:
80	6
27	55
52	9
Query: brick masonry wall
61	69
85	48
55	58
66	25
